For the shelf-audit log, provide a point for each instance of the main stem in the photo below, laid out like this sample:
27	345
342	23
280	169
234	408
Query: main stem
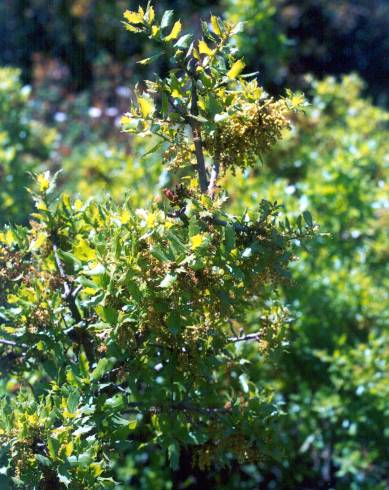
196	132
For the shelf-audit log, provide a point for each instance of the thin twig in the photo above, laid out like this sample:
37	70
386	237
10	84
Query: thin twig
179	407
245	338
12	343
67	289
217	221
180	110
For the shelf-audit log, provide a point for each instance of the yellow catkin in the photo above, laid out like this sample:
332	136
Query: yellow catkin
248	134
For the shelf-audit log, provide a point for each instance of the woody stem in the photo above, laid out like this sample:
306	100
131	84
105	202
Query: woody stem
196	132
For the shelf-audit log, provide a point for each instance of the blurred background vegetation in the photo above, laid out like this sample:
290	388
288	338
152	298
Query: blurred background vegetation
73	70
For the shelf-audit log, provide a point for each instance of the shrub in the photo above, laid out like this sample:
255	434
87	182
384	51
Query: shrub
24	146
133	332
94	170
333	377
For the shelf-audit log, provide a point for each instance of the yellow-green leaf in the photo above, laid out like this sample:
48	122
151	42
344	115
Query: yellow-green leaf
41	206
215	25
125	216
12	299
196	241
133	17
7	237
204	48
175	32
43	181
83	251
146	106
69	448
66	200
39	240
236	69
131	28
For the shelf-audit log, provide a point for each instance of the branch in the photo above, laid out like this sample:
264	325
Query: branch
69	295
236	226
245	338
196	132
12	343
213	179
180	110
179	407
68	292
217	221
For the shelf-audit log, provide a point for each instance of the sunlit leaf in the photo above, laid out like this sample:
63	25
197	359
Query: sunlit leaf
236	69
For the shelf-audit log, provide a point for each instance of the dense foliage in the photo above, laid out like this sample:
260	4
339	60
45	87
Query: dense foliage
333	379
24	146
123	326
182	345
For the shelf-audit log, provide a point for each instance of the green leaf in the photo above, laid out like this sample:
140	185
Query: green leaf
230	238
108	314
133	289
159	254
115	401
43	460
184	41
173	322
174	455
199	118
83	459
308	218
167	18
153	149
83	430
73	400
102	367
53	447
69	258
95	271
177	245
299	222
120	421
147	61
64	475
194	228
168	281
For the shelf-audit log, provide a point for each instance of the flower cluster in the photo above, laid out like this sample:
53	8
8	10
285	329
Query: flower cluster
249	133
